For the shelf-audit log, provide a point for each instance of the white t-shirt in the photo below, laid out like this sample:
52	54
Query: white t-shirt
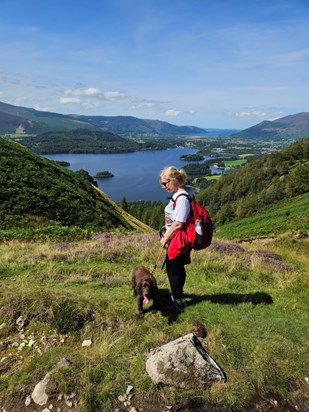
180	213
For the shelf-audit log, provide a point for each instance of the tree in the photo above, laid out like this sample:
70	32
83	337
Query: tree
124	204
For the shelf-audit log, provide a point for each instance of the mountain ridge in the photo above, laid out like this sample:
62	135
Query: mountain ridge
292	127
29	120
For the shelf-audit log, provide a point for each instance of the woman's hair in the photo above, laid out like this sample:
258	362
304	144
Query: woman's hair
171	172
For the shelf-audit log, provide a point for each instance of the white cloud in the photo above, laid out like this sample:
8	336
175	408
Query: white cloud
92	92
253	113
256	113
69	100
113	95
172	113
293	57
144	105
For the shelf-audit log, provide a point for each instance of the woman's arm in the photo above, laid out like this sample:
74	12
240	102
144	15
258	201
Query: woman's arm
171	232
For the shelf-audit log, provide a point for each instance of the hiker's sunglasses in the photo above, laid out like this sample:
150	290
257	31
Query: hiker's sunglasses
165	183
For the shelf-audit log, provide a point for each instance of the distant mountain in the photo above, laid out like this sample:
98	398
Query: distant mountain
292	127
16	119
35	191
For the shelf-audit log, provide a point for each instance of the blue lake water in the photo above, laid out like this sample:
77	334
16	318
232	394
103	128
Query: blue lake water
136	175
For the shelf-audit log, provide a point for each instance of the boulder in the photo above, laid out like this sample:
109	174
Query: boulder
183	363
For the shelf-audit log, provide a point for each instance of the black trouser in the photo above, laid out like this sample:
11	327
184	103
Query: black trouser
176	275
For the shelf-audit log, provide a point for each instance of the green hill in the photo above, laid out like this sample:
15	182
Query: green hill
78	141
259	184
289	128
288	216
37	192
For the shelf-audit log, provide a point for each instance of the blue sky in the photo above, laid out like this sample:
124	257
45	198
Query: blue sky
212	64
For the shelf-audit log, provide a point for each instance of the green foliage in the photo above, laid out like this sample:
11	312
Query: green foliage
34	186
260	183
103	175
78	141
192	157
252	302
147	211
196	170
287	216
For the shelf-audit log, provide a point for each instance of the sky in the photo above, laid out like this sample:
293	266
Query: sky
208	63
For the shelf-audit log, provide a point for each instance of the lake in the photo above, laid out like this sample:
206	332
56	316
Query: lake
136	175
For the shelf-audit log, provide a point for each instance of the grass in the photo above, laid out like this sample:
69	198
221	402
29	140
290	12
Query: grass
234	163
250	297
285	216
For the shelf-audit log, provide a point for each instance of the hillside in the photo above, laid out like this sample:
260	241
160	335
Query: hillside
78	141
247	302
265	181
37	192
292	127
289	217
16	119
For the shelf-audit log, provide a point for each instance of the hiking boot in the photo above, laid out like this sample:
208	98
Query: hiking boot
175	306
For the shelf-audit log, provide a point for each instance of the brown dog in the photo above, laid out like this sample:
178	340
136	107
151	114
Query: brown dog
144	287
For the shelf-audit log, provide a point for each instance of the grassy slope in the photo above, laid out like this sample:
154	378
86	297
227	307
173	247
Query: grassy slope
32	185
251	298
290	215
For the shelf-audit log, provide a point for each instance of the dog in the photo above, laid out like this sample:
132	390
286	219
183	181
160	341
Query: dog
144	287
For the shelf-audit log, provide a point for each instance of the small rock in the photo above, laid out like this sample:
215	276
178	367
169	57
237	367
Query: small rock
45	410
129	389
31	343
50	407
2	325
64	362
20	322
39	395
307	379
87	343
121	398
69	403
28	401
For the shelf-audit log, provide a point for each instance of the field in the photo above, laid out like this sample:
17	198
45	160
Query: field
234	163
251	297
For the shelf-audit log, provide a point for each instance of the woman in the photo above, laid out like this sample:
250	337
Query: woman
177	212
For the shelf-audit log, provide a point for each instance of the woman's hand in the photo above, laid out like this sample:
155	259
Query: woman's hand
171	232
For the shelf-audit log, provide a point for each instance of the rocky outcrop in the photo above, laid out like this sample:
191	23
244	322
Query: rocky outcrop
183	363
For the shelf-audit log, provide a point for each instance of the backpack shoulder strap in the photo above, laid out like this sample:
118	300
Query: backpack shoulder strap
182	194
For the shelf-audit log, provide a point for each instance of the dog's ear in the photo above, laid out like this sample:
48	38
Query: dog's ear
139	289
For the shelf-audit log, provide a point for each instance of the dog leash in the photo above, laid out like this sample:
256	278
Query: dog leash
158	259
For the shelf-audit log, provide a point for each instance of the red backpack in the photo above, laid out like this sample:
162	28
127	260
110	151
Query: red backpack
201	236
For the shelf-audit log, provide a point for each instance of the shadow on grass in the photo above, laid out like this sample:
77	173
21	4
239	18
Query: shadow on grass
257	298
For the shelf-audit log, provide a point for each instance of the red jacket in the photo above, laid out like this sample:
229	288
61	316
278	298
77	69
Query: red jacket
182	242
